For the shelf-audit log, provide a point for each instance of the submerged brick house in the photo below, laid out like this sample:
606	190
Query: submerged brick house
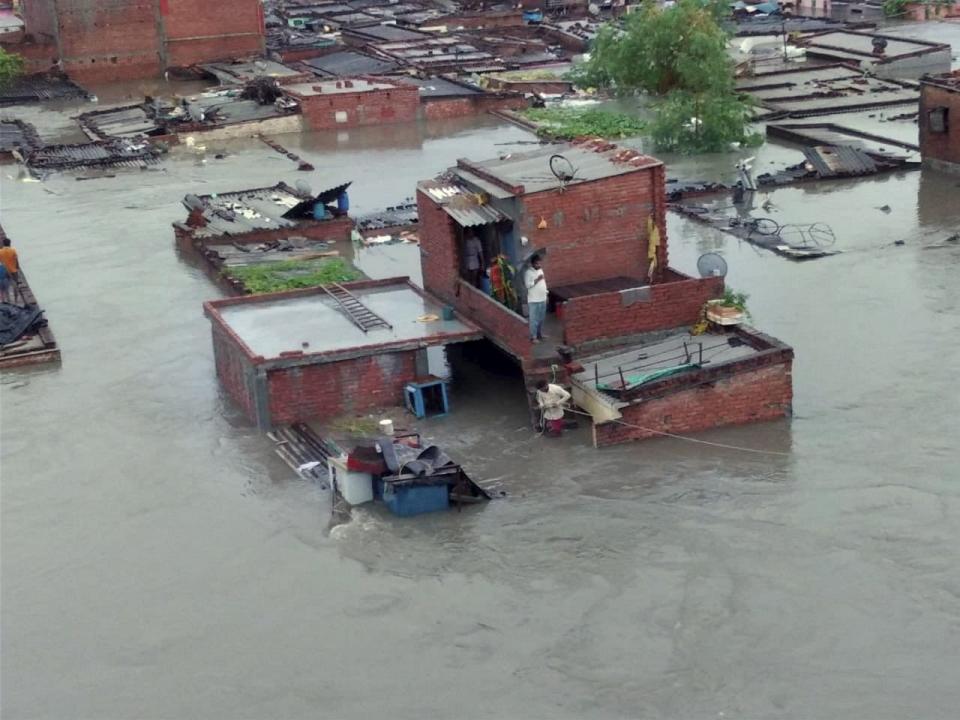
597	213
97	41
940	121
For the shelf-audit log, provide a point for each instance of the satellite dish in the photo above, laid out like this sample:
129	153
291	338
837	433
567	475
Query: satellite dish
304	187
193	202
711	265
562	168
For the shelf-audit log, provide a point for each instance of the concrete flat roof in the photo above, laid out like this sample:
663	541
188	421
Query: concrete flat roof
283	322
329	87
860	45
590	161
659	355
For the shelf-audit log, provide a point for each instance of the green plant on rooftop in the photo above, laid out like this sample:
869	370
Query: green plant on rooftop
11	67
895	8
679	56
292	274
568	123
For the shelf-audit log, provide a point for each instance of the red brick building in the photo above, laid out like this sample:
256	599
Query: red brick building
940	121
355	102
103	40
597	215
297	356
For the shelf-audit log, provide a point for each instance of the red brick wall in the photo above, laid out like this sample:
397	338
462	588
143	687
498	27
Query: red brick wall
669	305
484	20
398	104
597	229
232	368
201	31
940	146
39	18
106	40
331	389
439	259
764	393
503	327
443	108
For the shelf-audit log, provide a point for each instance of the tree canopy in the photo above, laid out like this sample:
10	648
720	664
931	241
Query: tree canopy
679	56
11	67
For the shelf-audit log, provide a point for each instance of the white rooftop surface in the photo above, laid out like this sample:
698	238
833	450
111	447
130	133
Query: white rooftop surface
272	327
329	87
857	43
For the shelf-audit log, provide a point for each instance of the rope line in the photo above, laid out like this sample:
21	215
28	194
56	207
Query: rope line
688	439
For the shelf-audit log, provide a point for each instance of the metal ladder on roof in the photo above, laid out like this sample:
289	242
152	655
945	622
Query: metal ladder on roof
358	313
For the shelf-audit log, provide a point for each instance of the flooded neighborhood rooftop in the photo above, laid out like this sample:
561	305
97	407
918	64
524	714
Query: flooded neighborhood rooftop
316	323
161	561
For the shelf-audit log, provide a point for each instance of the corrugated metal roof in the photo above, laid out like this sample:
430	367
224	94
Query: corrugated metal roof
470	215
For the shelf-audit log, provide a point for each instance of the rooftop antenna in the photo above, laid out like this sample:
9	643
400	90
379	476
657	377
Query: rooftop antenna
562	169
711	265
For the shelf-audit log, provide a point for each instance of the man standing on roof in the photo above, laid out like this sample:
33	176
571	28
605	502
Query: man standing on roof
536	285
552	399
10	272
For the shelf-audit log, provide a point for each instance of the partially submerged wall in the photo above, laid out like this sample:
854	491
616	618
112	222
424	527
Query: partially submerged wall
445	108
764	393
347	386
940	137
364	107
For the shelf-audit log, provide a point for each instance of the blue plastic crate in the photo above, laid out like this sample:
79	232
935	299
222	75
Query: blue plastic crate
408	500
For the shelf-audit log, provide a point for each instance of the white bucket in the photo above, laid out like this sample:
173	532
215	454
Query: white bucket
386	427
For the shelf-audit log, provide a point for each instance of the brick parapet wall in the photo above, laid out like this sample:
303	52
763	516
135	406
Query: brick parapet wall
400	103
656	307
439	257
445	108
503	327
942	147
751	395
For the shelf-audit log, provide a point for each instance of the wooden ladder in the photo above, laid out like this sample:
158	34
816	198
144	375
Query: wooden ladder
359	314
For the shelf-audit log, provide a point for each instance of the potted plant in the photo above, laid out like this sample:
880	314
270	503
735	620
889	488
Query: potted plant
731	309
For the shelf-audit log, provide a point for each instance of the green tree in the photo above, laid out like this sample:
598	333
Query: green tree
11	67
679	56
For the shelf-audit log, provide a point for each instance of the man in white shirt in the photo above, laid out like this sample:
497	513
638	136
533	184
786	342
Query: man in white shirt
536	286
552	399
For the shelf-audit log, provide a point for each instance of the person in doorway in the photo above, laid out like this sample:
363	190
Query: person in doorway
552	400
536	285
10	273
473	260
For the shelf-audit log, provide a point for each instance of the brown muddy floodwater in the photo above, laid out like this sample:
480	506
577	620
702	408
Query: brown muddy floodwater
159	562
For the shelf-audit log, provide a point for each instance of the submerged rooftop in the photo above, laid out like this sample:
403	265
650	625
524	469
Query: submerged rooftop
339	87
268	208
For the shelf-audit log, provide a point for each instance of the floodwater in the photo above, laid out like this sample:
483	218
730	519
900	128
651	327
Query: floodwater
159	562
